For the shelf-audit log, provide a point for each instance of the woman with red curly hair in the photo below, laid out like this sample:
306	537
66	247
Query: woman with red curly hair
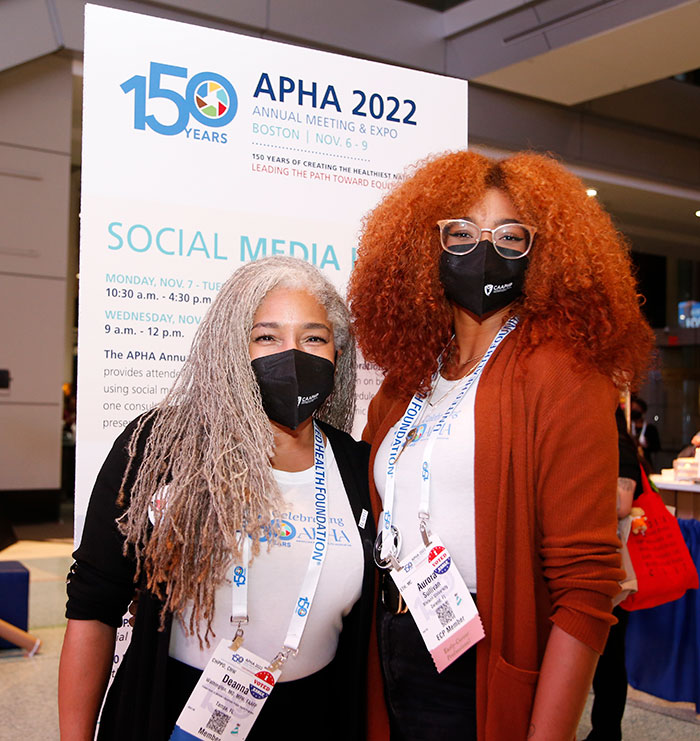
499	301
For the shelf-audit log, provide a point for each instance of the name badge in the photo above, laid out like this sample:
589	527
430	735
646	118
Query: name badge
228	697
439	602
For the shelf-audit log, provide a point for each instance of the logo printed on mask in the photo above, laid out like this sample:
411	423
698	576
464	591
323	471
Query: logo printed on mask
306	399
489	288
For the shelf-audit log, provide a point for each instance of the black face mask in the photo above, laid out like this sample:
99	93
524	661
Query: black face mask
293	385
482	281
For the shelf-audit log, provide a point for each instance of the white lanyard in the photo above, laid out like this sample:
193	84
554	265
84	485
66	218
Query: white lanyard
239	592
415	408
412	414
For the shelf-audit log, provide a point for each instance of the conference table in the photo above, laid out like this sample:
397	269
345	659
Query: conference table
684	496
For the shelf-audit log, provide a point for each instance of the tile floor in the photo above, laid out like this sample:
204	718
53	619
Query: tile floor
28	686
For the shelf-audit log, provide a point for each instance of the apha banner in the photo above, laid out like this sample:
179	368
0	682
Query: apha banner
203	150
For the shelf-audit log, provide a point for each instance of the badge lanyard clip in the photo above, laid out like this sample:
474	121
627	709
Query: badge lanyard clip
237	641
281	659
424	518
389	561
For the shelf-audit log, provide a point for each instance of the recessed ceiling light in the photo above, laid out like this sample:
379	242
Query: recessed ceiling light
591	192
697	213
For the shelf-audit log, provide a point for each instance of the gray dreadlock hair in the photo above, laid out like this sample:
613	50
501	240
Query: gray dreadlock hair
210	442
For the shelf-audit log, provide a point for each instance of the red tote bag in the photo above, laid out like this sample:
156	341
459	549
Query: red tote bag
662	563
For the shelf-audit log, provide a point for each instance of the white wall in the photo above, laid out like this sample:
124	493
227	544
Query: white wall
35	135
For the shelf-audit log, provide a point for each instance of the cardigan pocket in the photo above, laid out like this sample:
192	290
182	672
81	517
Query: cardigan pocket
511	693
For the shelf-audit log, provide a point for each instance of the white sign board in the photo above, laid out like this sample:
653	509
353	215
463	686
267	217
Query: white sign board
203	150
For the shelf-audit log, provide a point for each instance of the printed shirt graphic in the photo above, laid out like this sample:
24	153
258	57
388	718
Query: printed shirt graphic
276	575
452	478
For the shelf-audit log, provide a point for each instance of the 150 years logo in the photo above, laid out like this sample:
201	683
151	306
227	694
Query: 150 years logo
209	98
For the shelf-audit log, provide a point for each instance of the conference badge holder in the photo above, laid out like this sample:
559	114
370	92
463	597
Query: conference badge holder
228	696
439	602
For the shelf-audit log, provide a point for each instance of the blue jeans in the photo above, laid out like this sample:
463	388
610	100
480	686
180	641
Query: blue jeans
424	705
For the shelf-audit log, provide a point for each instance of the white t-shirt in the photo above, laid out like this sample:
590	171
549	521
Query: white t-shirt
451	476
275	577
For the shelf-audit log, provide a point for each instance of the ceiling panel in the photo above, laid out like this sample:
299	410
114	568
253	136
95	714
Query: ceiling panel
653	48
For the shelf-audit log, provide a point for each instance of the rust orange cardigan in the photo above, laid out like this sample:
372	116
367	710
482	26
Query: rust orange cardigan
545	479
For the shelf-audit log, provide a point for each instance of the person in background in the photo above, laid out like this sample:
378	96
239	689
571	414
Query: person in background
500	303
689	450
232	460
610	679
646	434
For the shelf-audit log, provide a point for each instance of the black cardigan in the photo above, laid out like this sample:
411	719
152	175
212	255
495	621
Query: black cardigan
101	585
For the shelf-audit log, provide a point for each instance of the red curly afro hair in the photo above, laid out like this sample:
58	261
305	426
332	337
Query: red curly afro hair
579	287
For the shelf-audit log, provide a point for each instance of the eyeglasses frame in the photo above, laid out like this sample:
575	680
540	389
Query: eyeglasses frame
532	230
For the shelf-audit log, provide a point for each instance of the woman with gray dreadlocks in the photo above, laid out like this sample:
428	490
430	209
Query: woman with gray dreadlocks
238	508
